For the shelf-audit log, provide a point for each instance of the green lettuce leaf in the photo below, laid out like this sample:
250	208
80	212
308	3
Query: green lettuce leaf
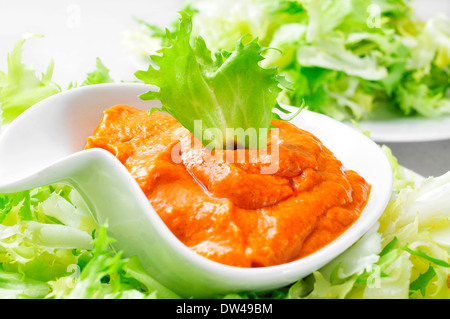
37	244
227	90
21	87
99	75
18	286
108	275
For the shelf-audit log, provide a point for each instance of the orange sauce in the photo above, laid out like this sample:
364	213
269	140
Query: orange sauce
222	206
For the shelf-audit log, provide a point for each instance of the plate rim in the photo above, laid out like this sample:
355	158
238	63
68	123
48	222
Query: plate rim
383	129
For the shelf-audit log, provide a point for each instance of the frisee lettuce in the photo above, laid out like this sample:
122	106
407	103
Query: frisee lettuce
99	75
225	90
21	87
349	59
42	257
17	286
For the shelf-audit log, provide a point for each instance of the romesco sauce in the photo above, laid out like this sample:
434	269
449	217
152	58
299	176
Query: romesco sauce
220	205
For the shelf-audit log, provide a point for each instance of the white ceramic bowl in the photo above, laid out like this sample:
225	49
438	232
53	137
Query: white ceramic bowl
45	145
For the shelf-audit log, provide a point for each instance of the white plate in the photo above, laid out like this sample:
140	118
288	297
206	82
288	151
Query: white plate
414	129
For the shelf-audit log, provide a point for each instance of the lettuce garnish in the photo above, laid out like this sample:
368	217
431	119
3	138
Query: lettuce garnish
225	90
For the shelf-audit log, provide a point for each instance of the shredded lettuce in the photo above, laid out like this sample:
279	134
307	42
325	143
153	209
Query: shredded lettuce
51	247
16	286
125	277
38	245
349	59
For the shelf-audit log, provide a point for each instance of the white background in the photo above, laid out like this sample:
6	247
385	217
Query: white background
77	31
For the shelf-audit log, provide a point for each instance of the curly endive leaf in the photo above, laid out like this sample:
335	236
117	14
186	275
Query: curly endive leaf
227	91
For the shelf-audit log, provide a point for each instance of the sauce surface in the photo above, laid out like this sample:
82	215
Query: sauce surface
222	205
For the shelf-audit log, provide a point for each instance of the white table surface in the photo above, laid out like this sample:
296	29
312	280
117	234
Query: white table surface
77	31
